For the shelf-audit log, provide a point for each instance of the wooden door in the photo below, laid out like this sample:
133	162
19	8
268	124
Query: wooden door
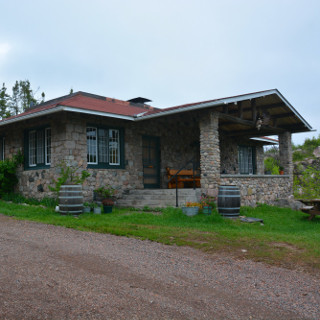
151	161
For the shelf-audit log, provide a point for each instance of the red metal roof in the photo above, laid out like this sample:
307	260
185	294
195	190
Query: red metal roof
89	102
106	105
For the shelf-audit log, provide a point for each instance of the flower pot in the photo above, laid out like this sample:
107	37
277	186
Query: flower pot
207	210
190	211
86	209
107	209
97	210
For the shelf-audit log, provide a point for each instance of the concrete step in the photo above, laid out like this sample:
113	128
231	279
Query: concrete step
158	198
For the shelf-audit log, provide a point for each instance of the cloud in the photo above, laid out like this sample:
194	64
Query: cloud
4	50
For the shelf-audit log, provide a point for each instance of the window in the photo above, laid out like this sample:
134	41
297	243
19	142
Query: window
1	148
38	148
104	147
246	160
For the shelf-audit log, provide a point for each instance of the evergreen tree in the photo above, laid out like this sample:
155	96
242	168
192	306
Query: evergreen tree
14	99
23	97
4	100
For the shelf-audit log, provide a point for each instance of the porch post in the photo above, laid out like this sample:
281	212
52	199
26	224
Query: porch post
285	152
210	154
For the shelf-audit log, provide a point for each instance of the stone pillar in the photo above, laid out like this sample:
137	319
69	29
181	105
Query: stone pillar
210	154
285	152
259	160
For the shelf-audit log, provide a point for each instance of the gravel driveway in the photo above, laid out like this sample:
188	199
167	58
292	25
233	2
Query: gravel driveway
49	272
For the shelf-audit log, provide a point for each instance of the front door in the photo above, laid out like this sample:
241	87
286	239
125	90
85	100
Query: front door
151	161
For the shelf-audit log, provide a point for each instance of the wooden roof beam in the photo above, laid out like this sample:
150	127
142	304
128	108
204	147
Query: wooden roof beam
237	120
254	132
266	107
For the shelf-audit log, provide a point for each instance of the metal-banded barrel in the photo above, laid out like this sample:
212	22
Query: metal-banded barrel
229	201
70	199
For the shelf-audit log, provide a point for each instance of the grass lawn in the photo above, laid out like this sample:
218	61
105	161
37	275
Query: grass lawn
287	238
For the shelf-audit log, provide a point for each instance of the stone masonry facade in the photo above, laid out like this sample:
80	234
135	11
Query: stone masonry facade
182	138
256	189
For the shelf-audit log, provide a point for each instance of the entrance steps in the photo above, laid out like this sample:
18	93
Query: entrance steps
158	198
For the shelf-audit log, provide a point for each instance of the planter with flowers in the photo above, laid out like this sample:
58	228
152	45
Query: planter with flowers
107	194
207	204
191	209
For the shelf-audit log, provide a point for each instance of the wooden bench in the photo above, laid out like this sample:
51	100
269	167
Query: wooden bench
310	210
312	207
185	178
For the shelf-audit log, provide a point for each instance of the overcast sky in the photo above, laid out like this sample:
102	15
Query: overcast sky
170	51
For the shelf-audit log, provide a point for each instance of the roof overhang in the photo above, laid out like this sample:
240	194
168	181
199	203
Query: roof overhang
61	109
237	115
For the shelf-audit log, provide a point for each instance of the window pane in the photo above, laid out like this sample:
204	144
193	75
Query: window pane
92	145
103	145
1	148
114	147
40	147
246	160
250	164
32	148
48	146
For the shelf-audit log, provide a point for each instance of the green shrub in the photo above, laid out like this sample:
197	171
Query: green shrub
306	184
272	165
69	175
8	173
18	198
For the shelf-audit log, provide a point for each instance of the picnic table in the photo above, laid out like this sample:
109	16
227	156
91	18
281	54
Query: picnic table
312	207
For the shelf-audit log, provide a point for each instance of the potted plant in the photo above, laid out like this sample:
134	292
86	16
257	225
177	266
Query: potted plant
86	207
191	208
107	205
281	170
207	204
96	208
107	194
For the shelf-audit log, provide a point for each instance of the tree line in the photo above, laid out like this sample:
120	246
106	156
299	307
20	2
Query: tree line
20	100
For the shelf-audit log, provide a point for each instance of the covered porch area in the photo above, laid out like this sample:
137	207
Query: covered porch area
221	142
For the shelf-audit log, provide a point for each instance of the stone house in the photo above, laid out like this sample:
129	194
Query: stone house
129	144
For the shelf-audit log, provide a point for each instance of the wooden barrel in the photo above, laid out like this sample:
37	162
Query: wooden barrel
70	199
229	201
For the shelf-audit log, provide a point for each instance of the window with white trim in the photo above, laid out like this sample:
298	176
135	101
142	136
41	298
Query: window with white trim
38	148
104	147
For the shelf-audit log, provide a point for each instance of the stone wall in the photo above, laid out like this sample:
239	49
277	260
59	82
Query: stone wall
260	188
191	136
179	142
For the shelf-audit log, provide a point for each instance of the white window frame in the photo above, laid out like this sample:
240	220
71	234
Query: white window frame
92	148
38	148
112	155
107	156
